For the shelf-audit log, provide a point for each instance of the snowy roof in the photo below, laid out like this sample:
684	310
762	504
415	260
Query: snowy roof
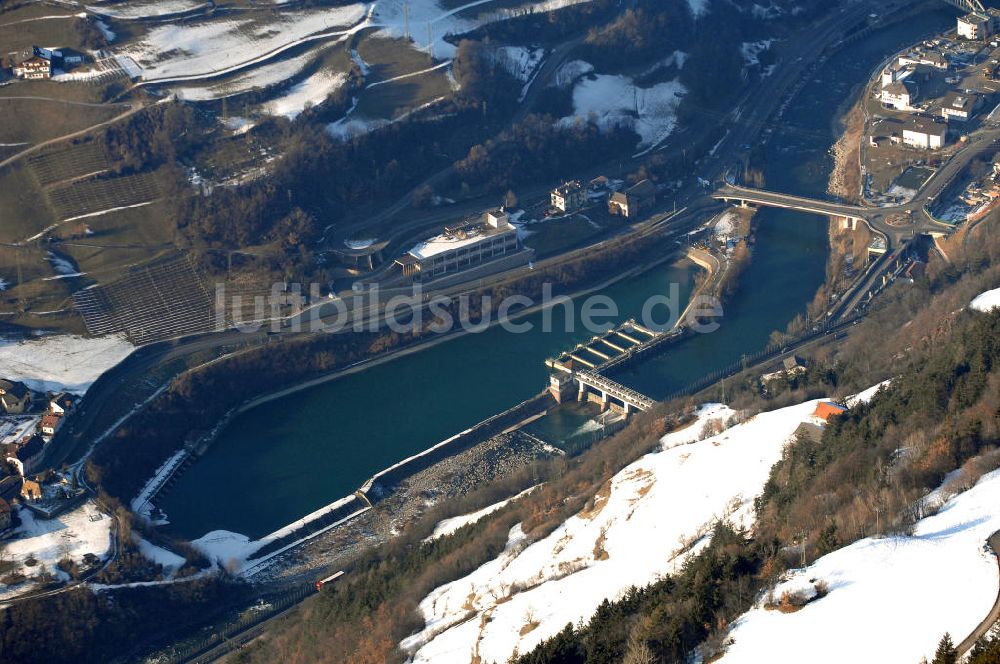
456	239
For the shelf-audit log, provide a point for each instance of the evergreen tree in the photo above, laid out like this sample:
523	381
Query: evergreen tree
946	652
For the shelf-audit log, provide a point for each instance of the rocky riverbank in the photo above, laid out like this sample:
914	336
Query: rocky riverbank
447	481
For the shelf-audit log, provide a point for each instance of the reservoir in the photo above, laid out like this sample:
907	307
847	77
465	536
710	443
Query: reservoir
290	456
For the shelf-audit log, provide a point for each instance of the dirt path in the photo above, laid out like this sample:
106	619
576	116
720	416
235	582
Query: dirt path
994	615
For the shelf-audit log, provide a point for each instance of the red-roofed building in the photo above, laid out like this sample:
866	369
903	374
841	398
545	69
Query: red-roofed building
827	409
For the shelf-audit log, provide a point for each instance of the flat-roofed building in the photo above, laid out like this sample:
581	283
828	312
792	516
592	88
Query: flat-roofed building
460	247
975	26
960	105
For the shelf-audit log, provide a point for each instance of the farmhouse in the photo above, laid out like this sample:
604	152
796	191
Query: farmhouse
569	196
633	201
35	66
959	105
30	454
924	134
15	397
49	424
463	246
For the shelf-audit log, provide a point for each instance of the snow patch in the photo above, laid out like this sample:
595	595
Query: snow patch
448	526
880	587
309	92
988	301
61	363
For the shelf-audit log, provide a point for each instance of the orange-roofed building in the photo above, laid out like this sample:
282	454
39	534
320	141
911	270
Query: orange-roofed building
827	409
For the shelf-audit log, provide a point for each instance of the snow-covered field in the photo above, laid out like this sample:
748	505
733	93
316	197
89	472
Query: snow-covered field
64	362
309	92
261	77
569	72
448	526
615	101
898	595
644	523
137	10
209	47
71	535
987	301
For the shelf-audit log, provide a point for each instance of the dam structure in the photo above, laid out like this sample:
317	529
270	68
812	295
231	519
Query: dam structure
580	373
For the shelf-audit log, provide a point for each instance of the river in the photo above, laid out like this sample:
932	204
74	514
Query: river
290	456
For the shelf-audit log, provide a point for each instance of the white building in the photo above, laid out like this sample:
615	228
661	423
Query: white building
900	95
960	106
925	134
461	247
569	196
975	26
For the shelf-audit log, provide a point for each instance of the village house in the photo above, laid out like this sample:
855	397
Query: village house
569	196
38	65
633	201
31	490
49	424
15	397
827	409
10	487
6	515
900	95
29	453
62	403
925	134
960	106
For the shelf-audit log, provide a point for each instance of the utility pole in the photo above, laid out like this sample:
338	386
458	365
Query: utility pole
430	39
406	20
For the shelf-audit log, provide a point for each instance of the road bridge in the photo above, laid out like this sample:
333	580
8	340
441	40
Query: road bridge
747	195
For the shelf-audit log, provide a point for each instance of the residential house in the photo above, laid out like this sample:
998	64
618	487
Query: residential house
35	66
900	95
15	397
827	409
569	196
960	106
633	201
49	424
62	403
10	487
6	515
975	26
31	490
925	134
30	454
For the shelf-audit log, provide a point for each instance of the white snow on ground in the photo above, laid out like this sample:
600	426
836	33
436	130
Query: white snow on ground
108	33
569	72
238	125
519	61
141	504
70	535
171	561
260	77
206	47
133	11
987	301
613	100
15	427
650	517
309	92
448	526
64	362
886	591
726	225
60	264
4	285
